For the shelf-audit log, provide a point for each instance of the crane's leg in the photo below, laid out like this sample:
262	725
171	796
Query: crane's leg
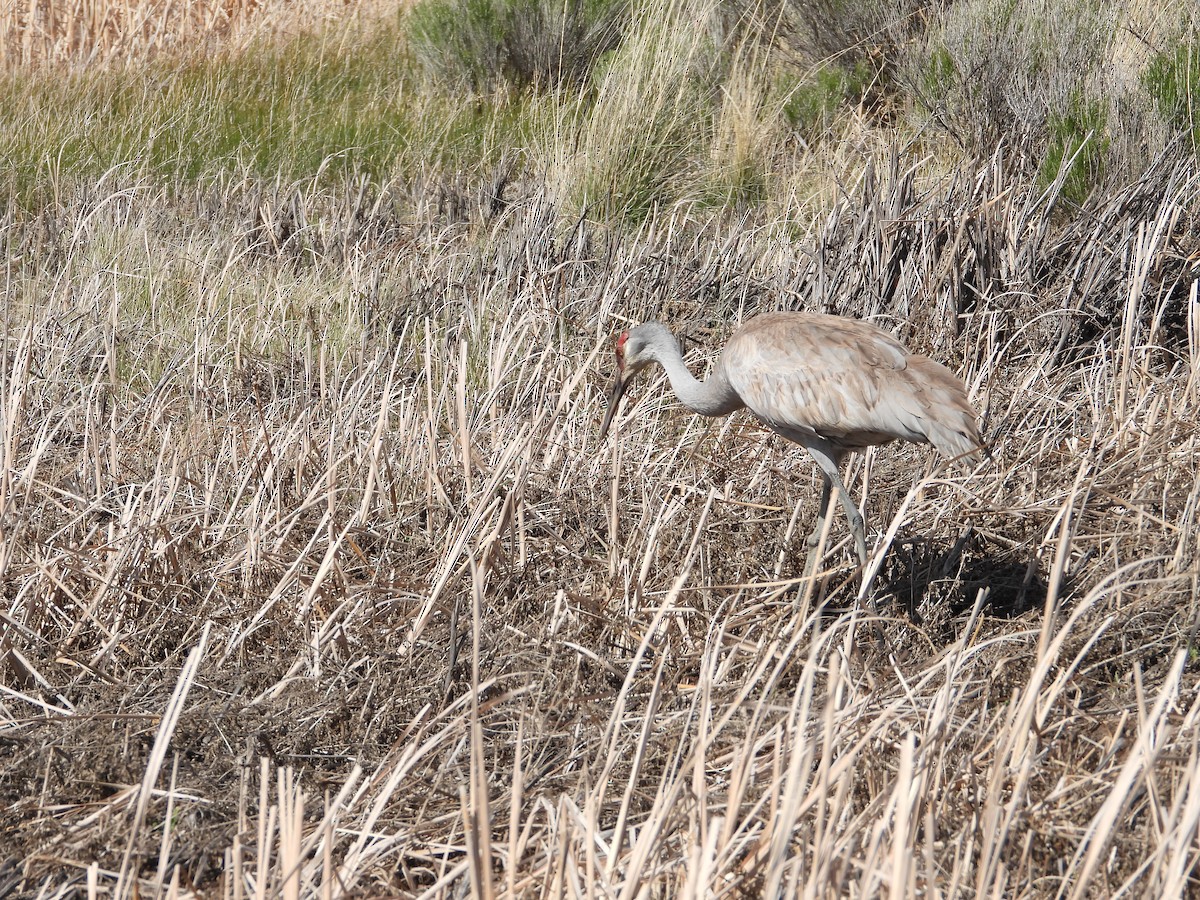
828	461
814	539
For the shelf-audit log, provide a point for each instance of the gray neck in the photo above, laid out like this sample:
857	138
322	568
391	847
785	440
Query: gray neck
714	397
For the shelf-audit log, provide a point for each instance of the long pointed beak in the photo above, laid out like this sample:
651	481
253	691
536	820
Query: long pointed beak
614	399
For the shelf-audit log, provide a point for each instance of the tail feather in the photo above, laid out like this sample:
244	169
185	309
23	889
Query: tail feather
949	421
957	443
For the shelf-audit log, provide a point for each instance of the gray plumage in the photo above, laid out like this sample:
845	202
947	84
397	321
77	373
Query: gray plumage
827	383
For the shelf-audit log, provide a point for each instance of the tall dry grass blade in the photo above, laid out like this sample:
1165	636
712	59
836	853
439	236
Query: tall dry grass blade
1138	763
617	840
164	849
126	880
267	819
291	832
477	816
795	781
464	433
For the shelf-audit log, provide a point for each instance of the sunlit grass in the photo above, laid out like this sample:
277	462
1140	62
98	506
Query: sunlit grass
312	106
314	577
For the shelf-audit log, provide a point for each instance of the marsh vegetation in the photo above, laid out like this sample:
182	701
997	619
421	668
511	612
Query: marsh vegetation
315	580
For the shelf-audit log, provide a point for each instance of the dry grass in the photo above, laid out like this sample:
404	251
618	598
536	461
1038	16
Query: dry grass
91	33
317	583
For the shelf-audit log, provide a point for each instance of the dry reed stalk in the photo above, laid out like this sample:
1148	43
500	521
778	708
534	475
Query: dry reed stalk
92	33
651	699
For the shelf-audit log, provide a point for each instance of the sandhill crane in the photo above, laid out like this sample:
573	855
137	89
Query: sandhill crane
829	384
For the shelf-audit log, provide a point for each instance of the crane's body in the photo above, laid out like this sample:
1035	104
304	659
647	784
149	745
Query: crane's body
827	383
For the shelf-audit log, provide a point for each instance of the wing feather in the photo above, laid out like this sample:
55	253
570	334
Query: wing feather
848	382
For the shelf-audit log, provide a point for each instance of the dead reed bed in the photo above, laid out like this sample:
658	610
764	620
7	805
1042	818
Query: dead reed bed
316	581
98	33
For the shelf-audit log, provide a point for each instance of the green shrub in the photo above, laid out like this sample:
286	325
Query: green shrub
480	44
1077	141
1173	81
1032	74
850	33
646	126
311	106
812	103
856	48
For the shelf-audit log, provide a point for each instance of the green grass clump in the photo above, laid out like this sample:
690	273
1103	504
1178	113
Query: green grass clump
311	106
813	102
1077	141
1173	80
459	41
482	44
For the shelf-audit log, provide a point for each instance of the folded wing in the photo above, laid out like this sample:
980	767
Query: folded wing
848	382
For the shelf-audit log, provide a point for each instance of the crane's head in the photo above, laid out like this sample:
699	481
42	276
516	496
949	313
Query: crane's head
632	357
